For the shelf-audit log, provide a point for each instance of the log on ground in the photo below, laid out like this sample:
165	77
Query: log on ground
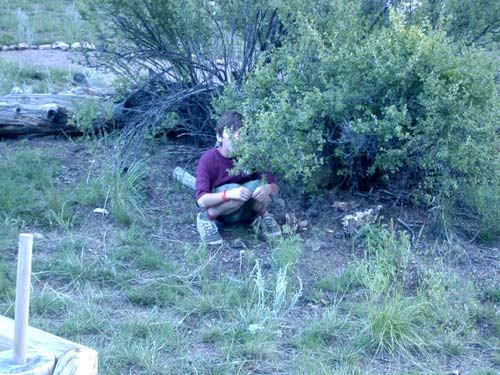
40	114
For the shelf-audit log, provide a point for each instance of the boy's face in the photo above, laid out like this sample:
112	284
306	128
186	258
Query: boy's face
226	141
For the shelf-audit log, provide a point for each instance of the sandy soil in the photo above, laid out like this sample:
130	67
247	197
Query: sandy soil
66	60
45	58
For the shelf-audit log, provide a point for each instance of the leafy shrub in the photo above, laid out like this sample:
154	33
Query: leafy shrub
90	115
401	106
470	21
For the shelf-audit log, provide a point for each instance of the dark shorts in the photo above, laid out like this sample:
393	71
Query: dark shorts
245	212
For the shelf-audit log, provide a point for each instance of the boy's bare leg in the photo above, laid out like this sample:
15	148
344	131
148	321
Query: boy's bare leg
225	208
260	207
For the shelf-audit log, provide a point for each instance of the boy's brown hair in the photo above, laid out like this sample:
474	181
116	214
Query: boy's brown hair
232	120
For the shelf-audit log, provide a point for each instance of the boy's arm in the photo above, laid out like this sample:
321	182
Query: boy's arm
208	200
205	198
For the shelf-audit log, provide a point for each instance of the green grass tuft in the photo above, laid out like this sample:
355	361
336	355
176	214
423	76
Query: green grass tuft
28	189
42	22
287	252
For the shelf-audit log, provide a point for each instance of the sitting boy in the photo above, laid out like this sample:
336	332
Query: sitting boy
231	199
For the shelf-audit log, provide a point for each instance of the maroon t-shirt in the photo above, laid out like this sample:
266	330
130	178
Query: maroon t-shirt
213	172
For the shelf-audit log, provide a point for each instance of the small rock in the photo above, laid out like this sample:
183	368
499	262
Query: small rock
12	47
303	224
237	243
76	45
102	211
60	45
4	48
80	79
38	236
22	46
34	46
17	90
352	223
88	46
45	46
280	202
312	212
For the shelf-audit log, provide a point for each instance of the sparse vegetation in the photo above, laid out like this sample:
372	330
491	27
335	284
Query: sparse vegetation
132	280
149	299
48	21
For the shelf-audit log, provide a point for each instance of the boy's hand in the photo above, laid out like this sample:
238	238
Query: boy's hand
261	194
241	194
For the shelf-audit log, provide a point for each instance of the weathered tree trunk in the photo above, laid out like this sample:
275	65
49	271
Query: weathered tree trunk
39	114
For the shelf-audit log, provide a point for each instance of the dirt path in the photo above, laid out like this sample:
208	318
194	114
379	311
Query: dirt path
65	60
45	58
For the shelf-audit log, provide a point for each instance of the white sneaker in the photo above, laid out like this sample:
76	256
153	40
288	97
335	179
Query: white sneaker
209	233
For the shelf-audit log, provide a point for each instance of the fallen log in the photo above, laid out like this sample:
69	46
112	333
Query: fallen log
41	114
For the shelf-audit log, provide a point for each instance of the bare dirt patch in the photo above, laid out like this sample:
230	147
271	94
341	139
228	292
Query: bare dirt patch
45	58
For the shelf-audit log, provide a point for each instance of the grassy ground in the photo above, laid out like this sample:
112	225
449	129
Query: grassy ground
46	72
137	285
40	22
32	79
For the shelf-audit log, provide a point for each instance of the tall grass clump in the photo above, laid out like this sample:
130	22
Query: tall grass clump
398	308
24	29
390	320
254	327
31	79
28	189
287	252
271	305
124	188
7	281
117	188
147	343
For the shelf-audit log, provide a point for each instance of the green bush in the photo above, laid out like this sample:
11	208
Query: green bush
402	106
470	21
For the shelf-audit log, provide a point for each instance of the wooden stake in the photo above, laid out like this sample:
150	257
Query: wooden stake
22	297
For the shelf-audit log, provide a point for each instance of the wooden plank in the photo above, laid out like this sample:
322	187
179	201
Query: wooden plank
37	363
76	362
84	357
